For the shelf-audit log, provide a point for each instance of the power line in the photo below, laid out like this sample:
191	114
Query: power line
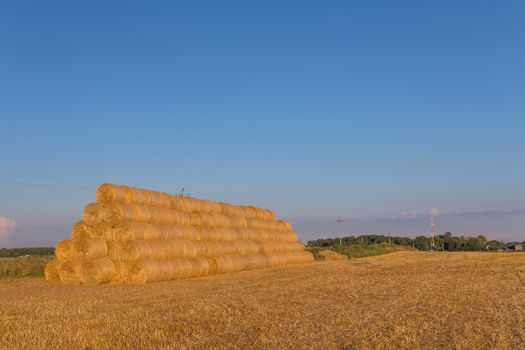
44	185
5	173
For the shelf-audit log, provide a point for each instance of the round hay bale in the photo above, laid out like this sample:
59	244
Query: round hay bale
98	271
284	225
164	216
166	270
232	210
129	231
121	272
51	270
183	232
104	231
177	203
183	218
190	250
238	222
239	263
242	234
207	233
225	263
137	197
163	232
70	271
199	266
116	213
151	232
173	249
143	271
135	250
182	268
80	230
64	249
201	248
211	207
249	211
211	248
114	250
195	219
108	193
90	248
142	214
225	247
157	199
212	265
157	249
191	204
94	213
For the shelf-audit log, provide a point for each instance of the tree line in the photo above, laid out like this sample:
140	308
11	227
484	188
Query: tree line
445	241
14	252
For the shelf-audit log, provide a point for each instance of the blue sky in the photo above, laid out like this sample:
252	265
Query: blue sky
374	111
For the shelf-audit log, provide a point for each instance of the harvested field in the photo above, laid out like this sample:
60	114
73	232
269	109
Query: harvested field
404	300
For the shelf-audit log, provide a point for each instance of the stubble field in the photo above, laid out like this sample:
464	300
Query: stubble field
405	300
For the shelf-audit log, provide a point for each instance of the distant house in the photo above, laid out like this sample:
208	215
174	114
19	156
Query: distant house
514	247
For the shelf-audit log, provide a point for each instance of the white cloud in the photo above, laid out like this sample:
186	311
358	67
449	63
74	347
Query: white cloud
7	226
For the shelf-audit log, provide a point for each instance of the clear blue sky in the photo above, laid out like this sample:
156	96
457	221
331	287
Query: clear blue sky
376	111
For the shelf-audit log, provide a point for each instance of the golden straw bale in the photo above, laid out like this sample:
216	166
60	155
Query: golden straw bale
70	271
182	232
142	213
226	247
238	222
284	225
210	207
276	259
163	216
190	250
212	265
258	261
116	213
228	234
121	272
98	271
103	231
200	247
249	211
191	204
157	249
163	232
225	263
135	250
158	199
114	250
177	203
195	219
145	270
242	234
211	248
199	266
151	232
173	249
137	197
80	229
51	270
207	233
130	230
94	213
181	268
90	248
107	193
183	218
232	210
64	249
166	270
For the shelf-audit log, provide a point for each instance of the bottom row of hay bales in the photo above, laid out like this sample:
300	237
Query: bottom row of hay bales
105	270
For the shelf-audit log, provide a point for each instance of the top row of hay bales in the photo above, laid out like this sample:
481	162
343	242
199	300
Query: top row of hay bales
109	193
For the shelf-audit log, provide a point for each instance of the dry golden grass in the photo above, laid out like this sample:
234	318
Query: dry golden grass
403	300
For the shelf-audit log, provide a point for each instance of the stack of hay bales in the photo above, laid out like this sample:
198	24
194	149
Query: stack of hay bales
131	235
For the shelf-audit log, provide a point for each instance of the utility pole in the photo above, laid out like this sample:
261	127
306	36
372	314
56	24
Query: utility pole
432	234
340	222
